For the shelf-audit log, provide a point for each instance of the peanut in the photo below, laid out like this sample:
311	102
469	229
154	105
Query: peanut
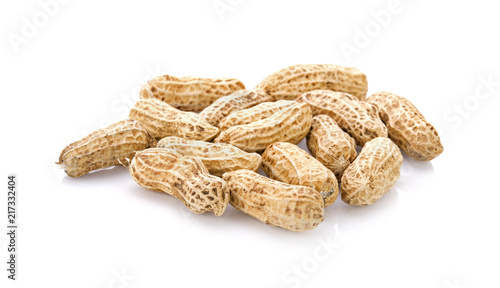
256	113
295	208
105	147
189	93
163	120
292	81
288	125
407	127
217	157
288	163
330	145
359	119
373	173
239	100
185	178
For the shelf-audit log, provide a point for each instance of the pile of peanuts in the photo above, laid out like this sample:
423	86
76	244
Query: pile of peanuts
210	159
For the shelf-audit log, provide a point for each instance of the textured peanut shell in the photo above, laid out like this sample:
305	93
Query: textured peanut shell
330	145
292	81
288	125
358	118
189	93
288	163
373	173
217	157
407	127
239	100
105	147
163	120
295	208
256	113
185	178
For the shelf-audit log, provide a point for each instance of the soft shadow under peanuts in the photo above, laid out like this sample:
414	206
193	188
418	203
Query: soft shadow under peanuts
231	216
349	215
406	181
103	174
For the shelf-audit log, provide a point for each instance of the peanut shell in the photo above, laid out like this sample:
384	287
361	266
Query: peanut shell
359	119
239	100
163	120
292	81
407	127
288	125
295	208
373	173
256	113
189	93
217	157
105	147
330	145
185	178
288	163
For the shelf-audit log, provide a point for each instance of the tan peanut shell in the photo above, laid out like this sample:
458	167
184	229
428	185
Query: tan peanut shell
256	113
185	178
358	118
295	208
217	157
292	81
407	127
373	173
105	147
288	163
288	125
189	93
239	100
163	120
330	145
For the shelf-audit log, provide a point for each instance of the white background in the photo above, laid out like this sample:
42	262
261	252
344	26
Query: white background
82	66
